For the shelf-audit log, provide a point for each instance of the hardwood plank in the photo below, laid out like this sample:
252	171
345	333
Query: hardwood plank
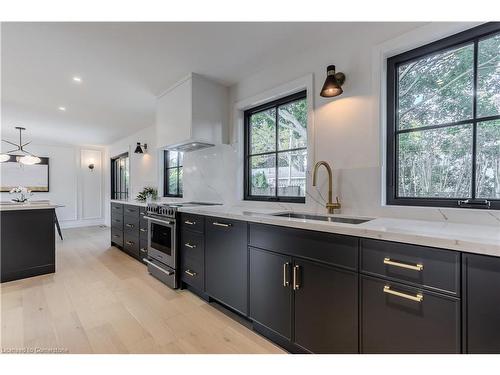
100	300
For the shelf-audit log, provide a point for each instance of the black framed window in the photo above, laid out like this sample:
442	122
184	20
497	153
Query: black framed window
173	161
443	122
276	150
120	176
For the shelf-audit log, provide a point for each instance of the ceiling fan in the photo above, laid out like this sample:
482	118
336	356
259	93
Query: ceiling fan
22	156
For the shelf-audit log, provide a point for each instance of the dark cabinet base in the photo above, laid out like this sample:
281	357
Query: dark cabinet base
27	243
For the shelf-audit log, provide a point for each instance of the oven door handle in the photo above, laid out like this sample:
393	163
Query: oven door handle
158	221
169	273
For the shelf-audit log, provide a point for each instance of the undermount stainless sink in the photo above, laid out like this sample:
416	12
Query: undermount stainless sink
332	219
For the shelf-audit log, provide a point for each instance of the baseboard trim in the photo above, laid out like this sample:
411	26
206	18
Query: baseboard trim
81	223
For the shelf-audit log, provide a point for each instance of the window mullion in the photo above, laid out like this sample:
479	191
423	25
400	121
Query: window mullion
474	116
276	160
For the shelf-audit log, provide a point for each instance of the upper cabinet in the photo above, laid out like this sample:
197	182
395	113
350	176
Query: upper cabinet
192	114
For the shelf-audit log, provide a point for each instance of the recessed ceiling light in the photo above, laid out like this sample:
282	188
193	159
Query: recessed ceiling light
77	79
62	109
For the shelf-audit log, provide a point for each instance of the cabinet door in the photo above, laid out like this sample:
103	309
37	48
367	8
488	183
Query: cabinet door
226	262
482	306
326	308
397	318
270	291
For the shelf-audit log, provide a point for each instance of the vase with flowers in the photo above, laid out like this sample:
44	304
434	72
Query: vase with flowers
23	194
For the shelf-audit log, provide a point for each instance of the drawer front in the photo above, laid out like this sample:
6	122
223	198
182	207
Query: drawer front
131	224
131	210
431	268
192	273
116	221
192	222
191	245
143	222
131	244
393	321
324	247
117	236
117	208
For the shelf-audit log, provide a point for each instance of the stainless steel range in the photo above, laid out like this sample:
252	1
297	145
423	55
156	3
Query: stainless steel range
162	240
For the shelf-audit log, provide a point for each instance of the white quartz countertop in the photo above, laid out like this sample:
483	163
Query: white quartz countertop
132	202
479	239
13	206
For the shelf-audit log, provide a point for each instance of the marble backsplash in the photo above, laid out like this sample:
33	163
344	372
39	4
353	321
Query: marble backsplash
215	175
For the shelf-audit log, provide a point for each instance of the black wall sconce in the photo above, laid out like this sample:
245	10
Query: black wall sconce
333	83
139	148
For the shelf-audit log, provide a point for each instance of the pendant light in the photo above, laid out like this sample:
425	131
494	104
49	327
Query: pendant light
22	156
333	83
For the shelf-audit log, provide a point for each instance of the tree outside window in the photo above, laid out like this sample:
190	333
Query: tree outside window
276	150
444	122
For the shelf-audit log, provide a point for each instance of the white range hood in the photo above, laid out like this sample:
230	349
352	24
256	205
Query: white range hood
193	114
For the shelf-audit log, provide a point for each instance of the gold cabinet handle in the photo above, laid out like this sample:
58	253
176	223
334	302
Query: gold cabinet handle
143	230
285	274
296	284
116	235
143	249
190	273
187	244
117	220
417	298
190	222
130	243
416	267
221	224
129	225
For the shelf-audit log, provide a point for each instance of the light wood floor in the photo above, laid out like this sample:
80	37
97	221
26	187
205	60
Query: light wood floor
102	301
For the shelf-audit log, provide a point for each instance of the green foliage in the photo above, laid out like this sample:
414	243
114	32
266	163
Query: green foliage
147	192
259	180
438	89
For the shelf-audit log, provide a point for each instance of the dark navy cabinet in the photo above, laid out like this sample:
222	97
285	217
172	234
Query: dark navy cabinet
226	262
270	291
303	289
326	308
129	229
482	303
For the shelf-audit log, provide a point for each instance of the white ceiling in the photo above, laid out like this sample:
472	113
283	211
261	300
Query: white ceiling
124	66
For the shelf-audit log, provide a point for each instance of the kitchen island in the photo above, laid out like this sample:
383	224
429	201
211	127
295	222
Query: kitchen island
27	240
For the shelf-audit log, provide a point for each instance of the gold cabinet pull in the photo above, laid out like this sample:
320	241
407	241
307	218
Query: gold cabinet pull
190	273
116	235
143	230
417	298
296	284
221	224
187	244
129	225
415	267
143	249
285	274
190	222
130	243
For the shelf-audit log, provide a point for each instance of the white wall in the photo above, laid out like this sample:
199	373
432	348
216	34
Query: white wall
143	167
71	184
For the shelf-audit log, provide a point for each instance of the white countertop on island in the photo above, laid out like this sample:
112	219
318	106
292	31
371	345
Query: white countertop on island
13	206
479	239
